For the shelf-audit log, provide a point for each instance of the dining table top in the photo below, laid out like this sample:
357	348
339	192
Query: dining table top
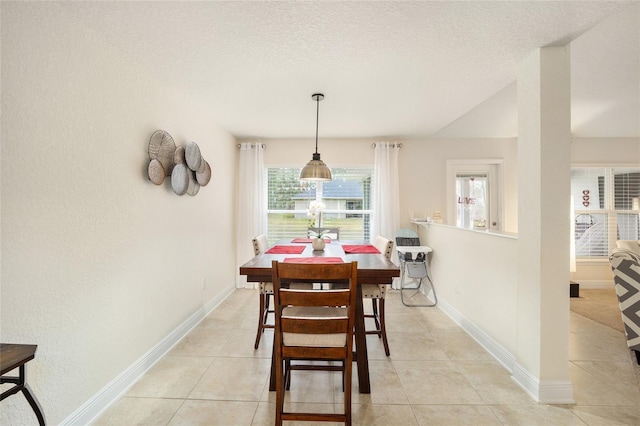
373	267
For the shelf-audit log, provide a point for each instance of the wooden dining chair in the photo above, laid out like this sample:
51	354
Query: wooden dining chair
313	325
377	293
333	233
260	245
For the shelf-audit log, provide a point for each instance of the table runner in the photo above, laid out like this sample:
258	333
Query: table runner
317	259
286	250
360	249
309	240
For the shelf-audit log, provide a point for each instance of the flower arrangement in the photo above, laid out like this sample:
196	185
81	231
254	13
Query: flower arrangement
314	212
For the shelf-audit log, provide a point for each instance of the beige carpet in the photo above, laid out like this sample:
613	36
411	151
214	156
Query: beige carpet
599	305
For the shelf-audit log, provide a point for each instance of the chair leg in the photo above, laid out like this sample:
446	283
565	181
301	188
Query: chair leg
346	384
279	392
383	328
261	318
376	315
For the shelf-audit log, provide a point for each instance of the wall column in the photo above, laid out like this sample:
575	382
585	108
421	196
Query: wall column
544	183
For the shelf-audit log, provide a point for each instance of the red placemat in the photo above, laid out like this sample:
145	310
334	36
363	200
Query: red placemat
309	240
360	249
285	250
314	260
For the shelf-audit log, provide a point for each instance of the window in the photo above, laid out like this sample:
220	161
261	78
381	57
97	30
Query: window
607	208
472	197
347	198
474	193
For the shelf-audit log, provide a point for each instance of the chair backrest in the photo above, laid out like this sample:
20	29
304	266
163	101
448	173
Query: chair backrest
328	331
384	246
333	233
625	265
407	237
260	244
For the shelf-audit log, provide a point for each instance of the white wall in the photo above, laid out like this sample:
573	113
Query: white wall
422	164
98	264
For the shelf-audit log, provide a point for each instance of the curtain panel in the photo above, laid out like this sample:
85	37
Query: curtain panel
251	205
386	199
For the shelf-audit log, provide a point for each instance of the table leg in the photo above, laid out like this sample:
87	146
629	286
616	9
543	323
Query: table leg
362	357
21	385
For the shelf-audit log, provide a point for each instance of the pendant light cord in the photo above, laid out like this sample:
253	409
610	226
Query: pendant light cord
317	119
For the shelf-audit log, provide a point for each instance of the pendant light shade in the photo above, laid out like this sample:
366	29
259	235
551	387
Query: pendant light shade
316	169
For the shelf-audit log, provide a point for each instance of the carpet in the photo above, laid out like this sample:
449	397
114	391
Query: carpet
599	305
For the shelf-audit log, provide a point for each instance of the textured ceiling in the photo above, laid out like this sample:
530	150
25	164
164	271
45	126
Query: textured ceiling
388	69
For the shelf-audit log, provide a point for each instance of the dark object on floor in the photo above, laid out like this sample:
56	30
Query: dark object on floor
574	289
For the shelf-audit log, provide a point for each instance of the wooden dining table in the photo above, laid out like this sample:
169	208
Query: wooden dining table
373	268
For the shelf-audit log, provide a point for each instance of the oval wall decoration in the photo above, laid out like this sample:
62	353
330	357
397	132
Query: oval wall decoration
162	148
156	172
204	177
187	168
193	156
180	179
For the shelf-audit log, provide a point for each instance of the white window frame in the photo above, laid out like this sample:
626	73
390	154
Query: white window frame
493	169
319	194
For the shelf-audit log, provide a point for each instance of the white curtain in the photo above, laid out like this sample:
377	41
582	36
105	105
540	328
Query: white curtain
386	186
251	206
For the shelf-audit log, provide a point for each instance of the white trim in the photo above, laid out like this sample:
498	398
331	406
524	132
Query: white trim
99	402
555	392
547	392
495	349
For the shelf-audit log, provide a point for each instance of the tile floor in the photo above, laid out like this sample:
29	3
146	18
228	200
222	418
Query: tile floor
436	375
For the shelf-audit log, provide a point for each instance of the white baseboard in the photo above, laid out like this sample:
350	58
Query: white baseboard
91	409
503	356
555	392
547	392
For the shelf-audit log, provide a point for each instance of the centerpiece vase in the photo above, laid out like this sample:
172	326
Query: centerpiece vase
318	244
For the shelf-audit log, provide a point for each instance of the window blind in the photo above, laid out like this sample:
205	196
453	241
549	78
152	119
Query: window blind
347	199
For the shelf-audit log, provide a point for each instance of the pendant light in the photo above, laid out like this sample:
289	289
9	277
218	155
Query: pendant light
316	169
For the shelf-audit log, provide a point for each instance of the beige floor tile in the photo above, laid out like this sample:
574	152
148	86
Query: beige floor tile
608	416
226	318
435	382
493	383
265	415
455	415
386	387
208	413
436	375
588	389
313	387
598	346
530	415
171	377
415	346
139	412
580	324
458	345
225	342
383	415
618	374
240	379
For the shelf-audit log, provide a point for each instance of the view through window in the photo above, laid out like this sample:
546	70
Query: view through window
347	200
472	199
606	202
